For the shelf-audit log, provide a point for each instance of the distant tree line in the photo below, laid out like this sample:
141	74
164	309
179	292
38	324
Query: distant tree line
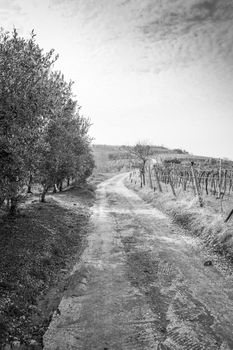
43	137
180	151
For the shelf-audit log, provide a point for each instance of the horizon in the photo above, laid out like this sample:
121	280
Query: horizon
166	148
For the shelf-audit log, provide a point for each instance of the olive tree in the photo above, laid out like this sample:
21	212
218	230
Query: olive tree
43	138
24	67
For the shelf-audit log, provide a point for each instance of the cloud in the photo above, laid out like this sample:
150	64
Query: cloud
195	30
10	14
177	17
204	10
134	35
169	62
154	35
11	5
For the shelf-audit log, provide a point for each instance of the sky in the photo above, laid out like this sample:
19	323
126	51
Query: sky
154	70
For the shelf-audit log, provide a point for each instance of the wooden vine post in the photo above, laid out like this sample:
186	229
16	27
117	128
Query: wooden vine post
171	184
197	188
150	179
207	182
193	184
230	184
185	181
157	179
229	216
220	178
224	184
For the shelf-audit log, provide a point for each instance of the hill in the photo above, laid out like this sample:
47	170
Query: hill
115	158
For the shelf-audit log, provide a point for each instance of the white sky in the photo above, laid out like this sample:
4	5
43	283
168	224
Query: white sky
160	70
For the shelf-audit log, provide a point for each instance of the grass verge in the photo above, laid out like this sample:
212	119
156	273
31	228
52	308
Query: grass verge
37	250
206	223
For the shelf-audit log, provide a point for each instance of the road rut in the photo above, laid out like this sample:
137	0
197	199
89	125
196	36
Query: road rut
141	285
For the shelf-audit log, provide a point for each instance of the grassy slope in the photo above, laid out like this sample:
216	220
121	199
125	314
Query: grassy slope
38	247
206	223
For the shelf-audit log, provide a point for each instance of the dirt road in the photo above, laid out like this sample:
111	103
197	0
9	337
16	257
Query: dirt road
141	285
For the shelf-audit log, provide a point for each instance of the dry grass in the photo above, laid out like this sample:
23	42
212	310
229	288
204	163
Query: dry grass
206	223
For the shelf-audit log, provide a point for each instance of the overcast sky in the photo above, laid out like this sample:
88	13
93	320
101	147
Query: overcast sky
156	70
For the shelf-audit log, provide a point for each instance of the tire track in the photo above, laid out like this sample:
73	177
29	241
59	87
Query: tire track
181	321
140	286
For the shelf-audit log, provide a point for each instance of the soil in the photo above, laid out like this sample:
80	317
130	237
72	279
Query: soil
141	284
38	249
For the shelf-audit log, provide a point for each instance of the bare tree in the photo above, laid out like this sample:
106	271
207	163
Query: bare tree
139	154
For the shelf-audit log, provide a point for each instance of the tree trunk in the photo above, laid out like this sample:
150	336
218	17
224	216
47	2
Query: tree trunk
68	181
43	194
150	179
141	179
60	186
13	206
29	190
55	189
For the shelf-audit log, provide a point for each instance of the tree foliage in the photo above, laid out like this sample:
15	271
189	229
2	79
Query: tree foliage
43	137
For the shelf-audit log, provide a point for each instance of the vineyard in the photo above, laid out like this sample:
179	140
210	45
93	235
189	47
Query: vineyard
203	179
